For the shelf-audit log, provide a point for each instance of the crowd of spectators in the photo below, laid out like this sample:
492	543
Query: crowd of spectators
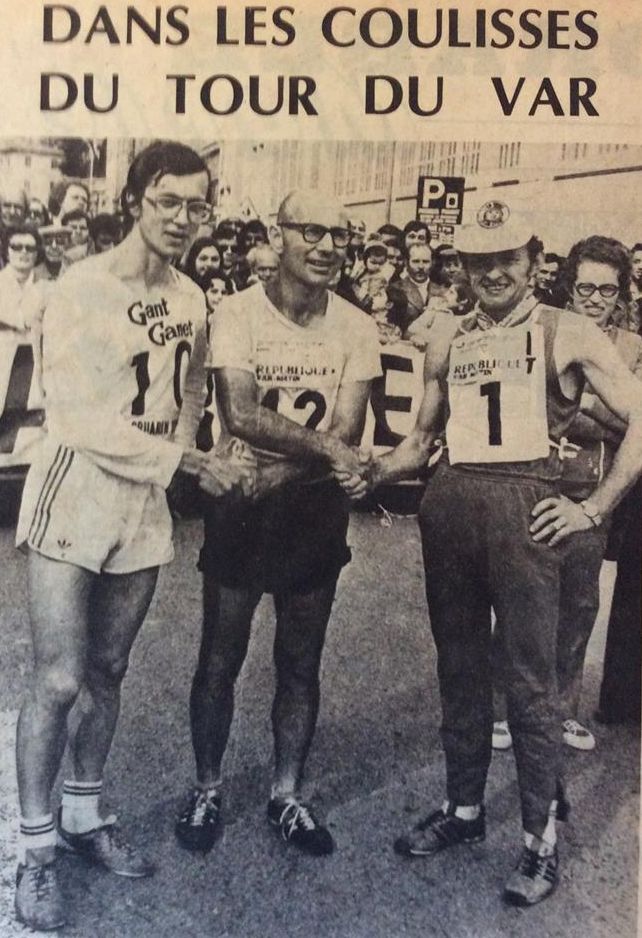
398	275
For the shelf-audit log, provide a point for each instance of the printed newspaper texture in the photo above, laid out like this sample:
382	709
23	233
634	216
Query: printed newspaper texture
407	110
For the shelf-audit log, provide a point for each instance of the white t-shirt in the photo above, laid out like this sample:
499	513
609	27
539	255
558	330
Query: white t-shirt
299	369
120	365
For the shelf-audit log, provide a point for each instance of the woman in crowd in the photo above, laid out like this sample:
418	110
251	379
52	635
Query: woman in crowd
21	251
202	258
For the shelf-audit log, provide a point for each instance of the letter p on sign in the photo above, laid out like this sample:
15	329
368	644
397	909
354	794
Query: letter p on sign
433	192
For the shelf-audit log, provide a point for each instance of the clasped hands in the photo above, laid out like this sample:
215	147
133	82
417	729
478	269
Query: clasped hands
353	468
229	470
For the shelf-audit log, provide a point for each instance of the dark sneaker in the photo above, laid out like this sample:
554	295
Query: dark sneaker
200	822
533	879
107	847
38	899
439	830
299	826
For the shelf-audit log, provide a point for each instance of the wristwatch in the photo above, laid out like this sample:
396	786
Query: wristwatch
591	513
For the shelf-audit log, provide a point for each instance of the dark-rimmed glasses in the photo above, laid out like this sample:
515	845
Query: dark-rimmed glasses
313	233
29	248
606	290
198	210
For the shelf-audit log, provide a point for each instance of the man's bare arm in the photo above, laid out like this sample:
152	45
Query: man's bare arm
412	453
621	392
347	425
237	395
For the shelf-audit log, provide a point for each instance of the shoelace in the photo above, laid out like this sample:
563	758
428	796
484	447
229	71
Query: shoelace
296	815
116	838
572	726
437	821
196	815
42	879
531	864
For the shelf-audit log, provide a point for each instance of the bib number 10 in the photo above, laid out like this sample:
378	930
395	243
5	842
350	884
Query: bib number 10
140	363
491	390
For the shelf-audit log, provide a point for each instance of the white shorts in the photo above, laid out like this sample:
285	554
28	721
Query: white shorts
74	511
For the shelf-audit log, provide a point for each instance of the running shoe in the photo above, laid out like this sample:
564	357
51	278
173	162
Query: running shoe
577	736
439	830
533	879
299	826
106	846
199	825
38	901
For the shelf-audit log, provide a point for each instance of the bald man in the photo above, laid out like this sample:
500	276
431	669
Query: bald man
293	364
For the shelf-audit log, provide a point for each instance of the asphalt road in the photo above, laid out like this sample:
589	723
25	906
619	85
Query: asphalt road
375	766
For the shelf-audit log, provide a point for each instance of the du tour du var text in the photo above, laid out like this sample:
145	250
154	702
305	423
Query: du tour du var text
421	30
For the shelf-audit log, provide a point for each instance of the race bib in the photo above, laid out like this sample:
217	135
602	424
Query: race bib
497	396
299	380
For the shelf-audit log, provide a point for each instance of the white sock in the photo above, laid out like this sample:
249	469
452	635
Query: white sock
467	812
80	806
544	845
282	794
213	790
36	833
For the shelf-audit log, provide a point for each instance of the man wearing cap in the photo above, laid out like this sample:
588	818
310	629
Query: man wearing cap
506	380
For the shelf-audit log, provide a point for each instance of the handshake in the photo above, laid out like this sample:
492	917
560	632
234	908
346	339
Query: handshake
229	470
355	470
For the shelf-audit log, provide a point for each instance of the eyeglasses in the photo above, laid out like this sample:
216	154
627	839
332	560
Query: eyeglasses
606	290
198	210
29	248
314	233
52	240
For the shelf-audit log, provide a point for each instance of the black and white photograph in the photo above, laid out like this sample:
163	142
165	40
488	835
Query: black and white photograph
320	470
236	369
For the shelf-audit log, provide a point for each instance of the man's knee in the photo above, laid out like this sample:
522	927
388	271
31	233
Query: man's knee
106	672
220	671
58	686
297	668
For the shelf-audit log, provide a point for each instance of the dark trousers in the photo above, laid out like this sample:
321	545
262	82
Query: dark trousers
620	691
478	554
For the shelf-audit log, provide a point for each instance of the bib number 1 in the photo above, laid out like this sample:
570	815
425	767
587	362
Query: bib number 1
140	363
491	390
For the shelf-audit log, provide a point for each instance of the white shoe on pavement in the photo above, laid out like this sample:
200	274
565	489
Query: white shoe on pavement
577	736
502	738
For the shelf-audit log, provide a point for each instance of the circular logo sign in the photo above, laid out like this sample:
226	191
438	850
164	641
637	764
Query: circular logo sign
493	215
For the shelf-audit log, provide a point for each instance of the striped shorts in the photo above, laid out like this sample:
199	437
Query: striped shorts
74	511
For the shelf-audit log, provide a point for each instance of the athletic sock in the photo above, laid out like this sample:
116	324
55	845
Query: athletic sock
467	812
278	794
213	790
544	845
36	833
80	806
